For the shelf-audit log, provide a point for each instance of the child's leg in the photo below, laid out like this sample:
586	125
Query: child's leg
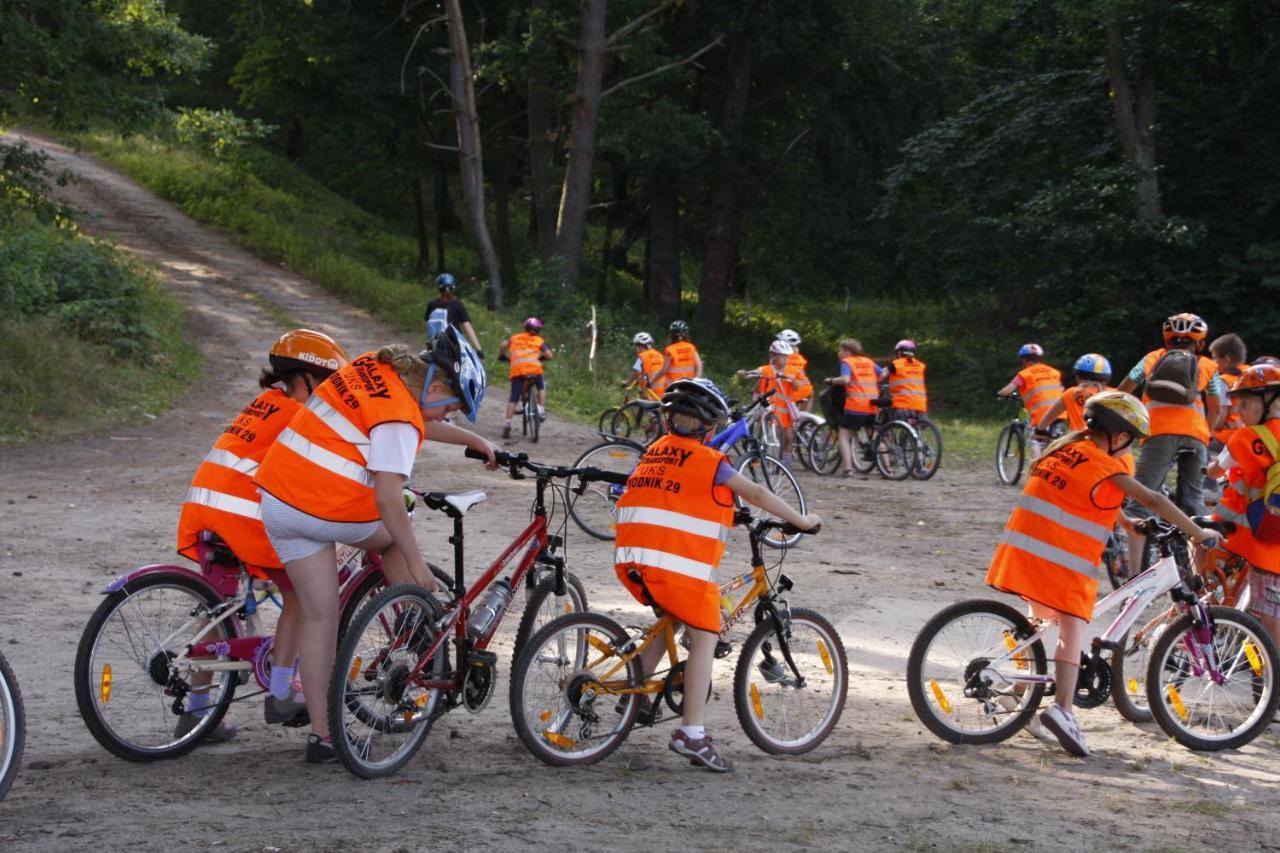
846	436
697	676
316	584
1066	655
284	651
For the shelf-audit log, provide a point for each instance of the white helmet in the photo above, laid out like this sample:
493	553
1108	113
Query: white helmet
789	336
643	339
780	347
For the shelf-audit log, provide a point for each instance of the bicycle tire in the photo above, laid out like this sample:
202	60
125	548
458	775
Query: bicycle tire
930	453
823	450
896	450
367	589
13	727
1011	453
142	668
861	453
777	478
803	433
1130	659
604	426
939	706
543	595
554	694
372	706
765	691
1177	688
595	510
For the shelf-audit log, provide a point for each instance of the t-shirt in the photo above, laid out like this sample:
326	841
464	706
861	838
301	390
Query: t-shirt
392	448
724	473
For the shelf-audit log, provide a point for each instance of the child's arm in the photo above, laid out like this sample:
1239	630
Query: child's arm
1163	507
757	495
1055	411
1007	390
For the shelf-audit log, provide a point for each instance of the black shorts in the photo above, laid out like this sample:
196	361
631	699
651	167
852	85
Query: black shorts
518	383
856	420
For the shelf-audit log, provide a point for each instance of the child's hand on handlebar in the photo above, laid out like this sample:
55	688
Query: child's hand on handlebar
1207	539
489	449
812	523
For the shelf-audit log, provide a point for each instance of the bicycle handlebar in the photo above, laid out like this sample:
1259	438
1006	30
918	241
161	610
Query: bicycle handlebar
1162	530
514	462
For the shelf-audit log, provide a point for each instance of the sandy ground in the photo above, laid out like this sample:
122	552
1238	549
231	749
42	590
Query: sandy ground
74	515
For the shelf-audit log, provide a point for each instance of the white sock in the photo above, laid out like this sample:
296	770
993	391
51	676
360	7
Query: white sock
198	702
506	422
694	732
281	681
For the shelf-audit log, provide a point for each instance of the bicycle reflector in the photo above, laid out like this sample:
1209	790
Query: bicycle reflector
355	668
940	696
560	740
756	704
104	685
826	657
1175	699
1255	662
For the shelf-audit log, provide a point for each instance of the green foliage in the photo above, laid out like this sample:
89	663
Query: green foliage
25	184
221	131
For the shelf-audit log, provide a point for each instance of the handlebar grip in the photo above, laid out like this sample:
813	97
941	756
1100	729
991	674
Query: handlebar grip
617	478
790	529
502	456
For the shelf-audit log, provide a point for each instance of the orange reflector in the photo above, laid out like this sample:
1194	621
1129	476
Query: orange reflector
355	669
1021	657
1175	699
544	716
421	701
105	686
560	740
826	657
756	704
1255	662
940	696
1132	685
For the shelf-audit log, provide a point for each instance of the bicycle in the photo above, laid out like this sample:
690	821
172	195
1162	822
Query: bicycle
1011	445
392	676
889	445
577	689
807	424
929	456
977	670
530	419
640	414
13	728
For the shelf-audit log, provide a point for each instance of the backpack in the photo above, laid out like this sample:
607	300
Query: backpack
437	323
1174	378
1264	512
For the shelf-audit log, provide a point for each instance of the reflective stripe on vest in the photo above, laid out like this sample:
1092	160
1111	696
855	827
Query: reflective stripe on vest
666	561
678	520
225	503
1052	553
906	385
862	387
326	459
683	364
1057	515
336	421
1041	388
524	351
227	459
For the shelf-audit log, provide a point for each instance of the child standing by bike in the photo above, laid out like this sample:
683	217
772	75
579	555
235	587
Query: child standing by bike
797	365
860	377
1054	539
673	522
526	351
777	377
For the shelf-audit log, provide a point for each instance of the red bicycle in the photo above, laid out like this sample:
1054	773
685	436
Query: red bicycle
394	675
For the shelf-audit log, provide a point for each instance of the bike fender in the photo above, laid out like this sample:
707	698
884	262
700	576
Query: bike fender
119	582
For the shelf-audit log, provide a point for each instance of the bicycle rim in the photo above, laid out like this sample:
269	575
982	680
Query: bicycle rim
896	450
777	478
1130	661
596	509
1009	455
929	456
12	727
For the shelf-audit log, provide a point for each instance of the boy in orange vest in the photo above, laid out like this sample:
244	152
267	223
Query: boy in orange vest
1038	384
681	359
673	521
802	394
525	351
646	371
860	377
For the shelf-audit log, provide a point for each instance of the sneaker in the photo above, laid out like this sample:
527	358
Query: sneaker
1066	727
319	750
221	733
506	431
699	752
290	712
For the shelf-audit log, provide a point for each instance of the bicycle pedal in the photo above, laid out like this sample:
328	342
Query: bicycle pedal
477	657
723	649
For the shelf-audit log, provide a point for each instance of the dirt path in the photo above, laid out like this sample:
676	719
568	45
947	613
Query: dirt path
74	515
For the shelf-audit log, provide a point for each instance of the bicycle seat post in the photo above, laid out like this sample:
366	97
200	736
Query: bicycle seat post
456	541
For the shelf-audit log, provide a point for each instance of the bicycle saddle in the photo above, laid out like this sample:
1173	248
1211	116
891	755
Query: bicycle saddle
649	404
459	501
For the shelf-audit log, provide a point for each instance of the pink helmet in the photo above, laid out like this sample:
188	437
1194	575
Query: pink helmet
533	324
905	345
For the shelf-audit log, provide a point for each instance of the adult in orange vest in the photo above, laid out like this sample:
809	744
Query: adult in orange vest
673	522
906	380
1038	384
337	473
680	358
526	351
780	378
1245	462
797	365
860	377
1054	538
646	370
1093	372
223	499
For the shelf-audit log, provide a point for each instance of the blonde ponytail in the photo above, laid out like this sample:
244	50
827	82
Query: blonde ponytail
412	369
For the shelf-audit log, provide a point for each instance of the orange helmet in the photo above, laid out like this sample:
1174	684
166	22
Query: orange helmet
303	349
1259	379
1188	326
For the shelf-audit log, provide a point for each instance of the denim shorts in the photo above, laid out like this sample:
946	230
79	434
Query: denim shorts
518	383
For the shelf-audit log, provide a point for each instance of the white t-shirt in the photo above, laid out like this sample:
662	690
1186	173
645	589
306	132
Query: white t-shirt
392	448
639	365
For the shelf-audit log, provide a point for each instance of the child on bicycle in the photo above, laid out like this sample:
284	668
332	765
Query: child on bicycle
526	351
337	474
1093	372
223	500
778	377
646	371
906	381
1054	539
1039	385
860	377
797	364
680	359
673	521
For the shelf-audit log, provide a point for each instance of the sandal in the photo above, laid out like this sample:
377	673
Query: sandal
700	752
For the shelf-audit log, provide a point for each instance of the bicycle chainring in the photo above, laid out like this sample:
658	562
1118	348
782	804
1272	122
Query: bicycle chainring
479	685
1093	686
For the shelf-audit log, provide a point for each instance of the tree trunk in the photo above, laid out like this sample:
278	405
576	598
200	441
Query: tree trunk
541	141
1248	35
502	213
722	214
420	226
444	216
575	194
1135	118
471	162
664	246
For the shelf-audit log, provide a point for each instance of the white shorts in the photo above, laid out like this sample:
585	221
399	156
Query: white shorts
295	534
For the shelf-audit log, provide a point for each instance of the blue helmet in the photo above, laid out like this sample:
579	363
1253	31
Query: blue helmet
1093	366
446	281
462	367
1031	351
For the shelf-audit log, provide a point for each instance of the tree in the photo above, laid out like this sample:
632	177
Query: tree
1135	105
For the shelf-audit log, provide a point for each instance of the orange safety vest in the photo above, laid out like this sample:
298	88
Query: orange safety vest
1074	401
651	366
863	388
673	522
525	353
802	388
906	385
1232	421
684	365
1173	418
222	497
1246	482
1041	388
1053	541
317	465
783	401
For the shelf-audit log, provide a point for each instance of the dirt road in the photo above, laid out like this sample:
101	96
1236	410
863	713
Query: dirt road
74	515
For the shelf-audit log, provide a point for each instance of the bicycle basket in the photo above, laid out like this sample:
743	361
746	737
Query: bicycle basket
832	402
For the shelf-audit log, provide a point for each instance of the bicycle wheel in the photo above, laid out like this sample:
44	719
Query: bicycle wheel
1010	454
542	605
531	421
13	727
803	433
861	456
896	450
125	676
1115	558
604	425
379	712
777	478
595	510
366	589
930	455
823	450
565	703
1214	691
960	674
783	714
1129	661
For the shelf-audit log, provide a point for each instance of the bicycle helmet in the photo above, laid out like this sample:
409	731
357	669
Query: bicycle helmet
643	339
533	324
1031	351
445	281
1259	379
1116	411
1187	327
463	370
680	327
699	398
303	349
790	336
780	347
1093	367
1265	359
906	346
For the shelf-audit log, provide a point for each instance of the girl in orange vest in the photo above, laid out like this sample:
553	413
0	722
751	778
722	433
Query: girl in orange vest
1054	539
223	499
1039	385
1093	372
778	377
680	358
860	377
802	393
906	379
646	371
526	352
673	522
337	474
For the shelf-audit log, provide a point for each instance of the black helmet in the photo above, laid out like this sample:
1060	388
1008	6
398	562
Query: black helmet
699	398
680	327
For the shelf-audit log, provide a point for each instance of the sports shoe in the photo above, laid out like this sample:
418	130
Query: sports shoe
1066	727
1033	727
506	431
290	712
221	733
319	750
700	752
